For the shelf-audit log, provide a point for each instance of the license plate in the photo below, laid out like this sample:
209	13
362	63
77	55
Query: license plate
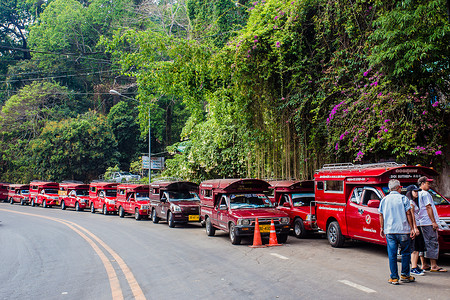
194	218
264	228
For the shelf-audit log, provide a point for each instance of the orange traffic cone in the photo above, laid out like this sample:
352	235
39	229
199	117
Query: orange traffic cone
257	242
273	236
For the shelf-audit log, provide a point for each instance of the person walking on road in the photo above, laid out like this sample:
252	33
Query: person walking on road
417	244
396	225
428	220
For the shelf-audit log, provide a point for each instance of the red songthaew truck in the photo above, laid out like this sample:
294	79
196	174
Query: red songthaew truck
102	195
4	191
44	193
73	194
232	205
19	193
348	197
174	201
133	199
296	199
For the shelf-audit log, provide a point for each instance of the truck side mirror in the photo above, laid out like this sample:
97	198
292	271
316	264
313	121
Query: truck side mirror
373	203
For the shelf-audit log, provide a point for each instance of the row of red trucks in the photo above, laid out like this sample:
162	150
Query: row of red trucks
341	201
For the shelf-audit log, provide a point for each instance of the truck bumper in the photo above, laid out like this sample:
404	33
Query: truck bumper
250	230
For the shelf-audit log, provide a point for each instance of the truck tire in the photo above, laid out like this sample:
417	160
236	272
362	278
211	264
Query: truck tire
22	202
282	238
137	215
299	228
155	218
44	203
11	201
63	205
234	238
77	206
170	220
334	235
33	203
104	210
121	212
92	208
210	230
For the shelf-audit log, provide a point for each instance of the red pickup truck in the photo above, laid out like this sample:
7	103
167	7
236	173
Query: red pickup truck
74	194
44	193
348	197
4	191
19	193
174	201
232	205
132	199
296	199
102	196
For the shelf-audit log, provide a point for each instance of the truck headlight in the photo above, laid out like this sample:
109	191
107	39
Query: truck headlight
245	222
175	208
110	201
144	206
284	220
310	217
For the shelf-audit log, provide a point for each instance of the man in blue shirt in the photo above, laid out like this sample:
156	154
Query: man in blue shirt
397	226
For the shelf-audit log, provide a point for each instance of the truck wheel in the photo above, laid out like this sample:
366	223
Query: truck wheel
104	210
22	202
155	218
170	220
334	235
63	205
33	203
121	212
11	201
92	208
299	228
210	230
137	215
235	239
282	238
77	206
44	203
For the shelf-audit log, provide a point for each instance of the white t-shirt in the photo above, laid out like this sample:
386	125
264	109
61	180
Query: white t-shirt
425	199
416	211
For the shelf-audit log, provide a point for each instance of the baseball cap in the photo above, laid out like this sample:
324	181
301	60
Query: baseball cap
412	187
423	179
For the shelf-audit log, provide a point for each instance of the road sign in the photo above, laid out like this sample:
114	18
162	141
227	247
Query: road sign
157	163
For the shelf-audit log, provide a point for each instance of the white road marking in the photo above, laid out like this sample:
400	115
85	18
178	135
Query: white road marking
279	256
357	286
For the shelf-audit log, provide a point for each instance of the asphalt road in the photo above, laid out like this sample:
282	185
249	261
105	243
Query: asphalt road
55	254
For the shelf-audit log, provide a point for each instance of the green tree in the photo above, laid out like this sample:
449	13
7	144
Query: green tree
80	148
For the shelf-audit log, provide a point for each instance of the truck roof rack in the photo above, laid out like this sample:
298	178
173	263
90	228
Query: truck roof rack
350	166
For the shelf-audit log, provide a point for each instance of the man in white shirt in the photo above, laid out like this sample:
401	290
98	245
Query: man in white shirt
428	220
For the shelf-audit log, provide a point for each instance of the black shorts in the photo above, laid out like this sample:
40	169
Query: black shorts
418	243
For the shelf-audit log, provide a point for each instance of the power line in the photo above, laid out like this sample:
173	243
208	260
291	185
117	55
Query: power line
61	76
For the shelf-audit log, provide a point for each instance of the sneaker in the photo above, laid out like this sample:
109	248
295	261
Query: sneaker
417	271
393	281
409	278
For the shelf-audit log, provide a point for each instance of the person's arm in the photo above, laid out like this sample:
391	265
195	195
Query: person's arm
416	229
409	217
382	226
431	216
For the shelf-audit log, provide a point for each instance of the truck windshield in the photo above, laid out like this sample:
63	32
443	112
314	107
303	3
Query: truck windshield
24	192
182	196
238	201
110	193
141	196
50	191
303	199
82	193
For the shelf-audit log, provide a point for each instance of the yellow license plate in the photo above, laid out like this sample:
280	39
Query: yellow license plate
194	218
264	228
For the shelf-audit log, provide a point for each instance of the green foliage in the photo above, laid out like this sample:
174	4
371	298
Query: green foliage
79	148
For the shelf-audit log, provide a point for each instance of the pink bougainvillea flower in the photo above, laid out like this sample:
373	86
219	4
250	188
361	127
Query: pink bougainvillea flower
435	104
278	44
366	73
387	120
424	112
438	152
276	17
337	146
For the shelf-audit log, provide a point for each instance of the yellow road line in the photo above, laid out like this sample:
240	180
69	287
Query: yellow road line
112	276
